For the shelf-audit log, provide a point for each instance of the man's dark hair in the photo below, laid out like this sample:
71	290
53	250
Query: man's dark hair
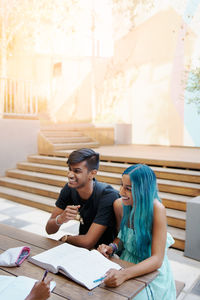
90	156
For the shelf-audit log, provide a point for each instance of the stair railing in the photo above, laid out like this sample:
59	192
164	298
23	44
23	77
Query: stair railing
19	97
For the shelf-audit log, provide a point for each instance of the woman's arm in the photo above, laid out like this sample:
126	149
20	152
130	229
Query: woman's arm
118	210
159	234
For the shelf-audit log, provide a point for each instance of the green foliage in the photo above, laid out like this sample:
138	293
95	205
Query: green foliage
125	12
193	87
26	18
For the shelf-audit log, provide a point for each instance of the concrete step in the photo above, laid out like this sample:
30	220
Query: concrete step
31	187
37	201
165	163
168	186
64	153
61	133
50	160
43	176
47	204
66	127
179	237
68	140
162	173
174	201
43	168
176	218
37	177
177	187
67	146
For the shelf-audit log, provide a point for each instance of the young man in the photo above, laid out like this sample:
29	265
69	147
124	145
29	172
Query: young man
85	198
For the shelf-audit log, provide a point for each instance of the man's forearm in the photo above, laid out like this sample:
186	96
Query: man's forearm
89	240
80	241
53	225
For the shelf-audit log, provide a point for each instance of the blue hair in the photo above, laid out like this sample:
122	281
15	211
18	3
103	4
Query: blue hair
140	216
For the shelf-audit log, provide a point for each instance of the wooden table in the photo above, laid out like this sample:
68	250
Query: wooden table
11	237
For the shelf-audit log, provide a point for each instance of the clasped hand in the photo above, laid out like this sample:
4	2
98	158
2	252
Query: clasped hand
70	213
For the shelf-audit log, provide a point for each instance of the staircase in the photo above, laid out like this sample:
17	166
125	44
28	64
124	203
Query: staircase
55	138
38	181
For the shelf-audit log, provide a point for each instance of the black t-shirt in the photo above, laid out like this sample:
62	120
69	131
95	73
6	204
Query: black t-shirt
97	209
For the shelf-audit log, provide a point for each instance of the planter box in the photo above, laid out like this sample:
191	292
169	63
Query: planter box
192	243
123	134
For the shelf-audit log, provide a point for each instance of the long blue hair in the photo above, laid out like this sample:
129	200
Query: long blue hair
140	216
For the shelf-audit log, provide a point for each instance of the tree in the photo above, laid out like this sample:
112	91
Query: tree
28	18
125	13
193	87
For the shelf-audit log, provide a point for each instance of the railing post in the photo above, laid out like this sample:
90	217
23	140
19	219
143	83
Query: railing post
18	98
1	97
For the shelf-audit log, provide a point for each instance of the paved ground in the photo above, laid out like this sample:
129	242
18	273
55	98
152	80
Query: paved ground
34	220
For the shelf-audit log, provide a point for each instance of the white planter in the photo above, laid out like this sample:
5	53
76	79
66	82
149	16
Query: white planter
123	134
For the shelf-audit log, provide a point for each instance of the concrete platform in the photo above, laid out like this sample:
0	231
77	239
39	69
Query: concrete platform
169	153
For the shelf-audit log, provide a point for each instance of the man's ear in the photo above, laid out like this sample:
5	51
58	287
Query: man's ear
92	174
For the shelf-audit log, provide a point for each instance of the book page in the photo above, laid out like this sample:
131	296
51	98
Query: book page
17	288
5	281
55	257
88	267
80	264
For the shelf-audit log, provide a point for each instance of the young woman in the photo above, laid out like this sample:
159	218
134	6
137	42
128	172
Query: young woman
143	238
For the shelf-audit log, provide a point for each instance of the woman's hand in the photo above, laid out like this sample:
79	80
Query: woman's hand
114	277
40	290
105	250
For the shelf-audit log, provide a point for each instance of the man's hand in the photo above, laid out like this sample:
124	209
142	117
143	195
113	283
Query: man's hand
63	238
70	213
60	216
105	250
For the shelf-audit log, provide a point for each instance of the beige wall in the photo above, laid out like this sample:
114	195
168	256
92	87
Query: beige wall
18	139
140	85
150	61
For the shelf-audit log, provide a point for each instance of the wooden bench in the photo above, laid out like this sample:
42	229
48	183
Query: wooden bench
179	287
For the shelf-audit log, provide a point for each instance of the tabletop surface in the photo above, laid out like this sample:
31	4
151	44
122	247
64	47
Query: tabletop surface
11	237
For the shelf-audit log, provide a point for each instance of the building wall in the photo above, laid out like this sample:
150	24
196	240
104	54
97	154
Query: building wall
18	139
146	74
142	84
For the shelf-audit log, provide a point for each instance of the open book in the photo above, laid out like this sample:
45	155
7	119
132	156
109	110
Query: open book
17	288
82	265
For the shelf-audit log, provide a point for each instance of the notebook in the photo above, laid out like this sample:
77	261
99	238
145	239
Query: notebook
82	265
17	288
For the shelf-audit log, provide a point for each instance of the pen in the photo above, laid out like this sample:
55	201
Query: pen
100	279
45	274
